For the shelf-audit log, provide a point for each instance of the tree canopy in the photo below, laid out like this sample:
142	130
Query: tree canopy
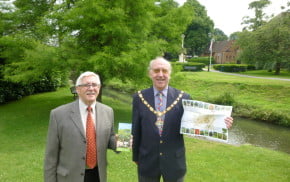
196	34
268	46
112	38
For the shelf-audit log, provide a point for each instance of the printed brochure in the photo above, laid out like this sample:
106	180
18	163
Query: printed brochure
124	139
205	120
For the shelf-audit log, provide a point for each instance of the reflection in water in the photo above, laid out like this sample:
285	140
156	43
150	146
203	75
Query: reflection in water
260	134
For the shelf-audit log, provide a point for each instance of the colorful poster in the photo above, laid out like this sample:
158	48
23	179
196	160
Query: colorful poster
205	120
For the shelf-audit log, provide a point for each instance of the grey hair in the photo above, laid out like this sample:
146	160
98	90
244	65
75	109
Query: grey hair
85	74
162	60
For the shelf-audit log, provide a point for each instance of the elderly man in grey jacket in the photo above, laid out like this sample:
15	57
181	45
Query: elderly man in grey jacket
79	135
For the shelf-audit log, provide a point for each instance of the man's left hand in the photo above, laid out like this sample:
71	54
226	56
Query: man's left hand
229	122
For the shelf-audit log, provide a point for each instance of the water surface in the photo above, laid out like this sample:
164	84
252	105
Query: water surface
260	134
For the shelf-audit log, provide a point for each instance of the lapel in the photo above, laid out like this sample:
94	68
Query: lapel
171	96
149	97
76	117
98	120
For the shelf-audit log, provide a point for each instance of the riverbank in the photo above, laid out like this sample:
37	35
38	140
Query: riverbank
264	100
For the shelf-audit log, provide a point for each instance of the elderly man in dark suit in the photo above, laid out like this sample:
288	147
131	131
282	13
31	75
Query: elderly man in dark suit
158	146
79	135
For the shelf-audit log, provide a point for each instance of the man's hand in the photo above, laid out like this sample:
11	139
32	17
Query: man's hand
229	122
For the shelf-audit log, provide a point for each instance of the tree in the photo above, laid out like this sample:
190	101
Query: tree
219	35
268	46
25	57
113	38
196	34
234	36
260	17
118	38
170	23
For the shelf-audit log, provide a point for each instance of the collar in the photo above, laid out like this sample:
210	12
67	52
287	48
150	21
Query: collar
83	106
164	91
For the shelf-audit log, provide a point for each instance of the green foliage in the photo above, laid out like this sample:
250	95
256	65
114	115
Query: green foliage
260	17
13	48
204	60
11	91
266	115
268	46
196	34
234	36
231	67
170	23
219	35
39	63
226	98
189	66
117	39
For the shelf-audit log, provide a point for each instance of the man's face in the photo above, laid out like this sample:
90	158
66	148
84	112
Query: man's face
88	91
159	74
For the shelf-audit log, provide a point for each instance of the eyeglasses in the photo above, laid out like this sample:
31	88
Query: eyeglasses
164	71
94	85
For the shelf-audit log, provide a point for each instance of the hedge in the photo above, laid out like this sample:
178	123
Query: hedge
231	67
10	91
204	60
187	66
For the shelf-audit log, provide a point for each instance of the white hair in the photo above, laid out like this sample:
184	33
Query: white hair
162	60
85	74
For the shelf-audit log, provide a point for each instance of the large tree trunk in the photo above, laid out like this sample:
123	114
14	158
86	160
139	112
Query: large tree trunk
278	68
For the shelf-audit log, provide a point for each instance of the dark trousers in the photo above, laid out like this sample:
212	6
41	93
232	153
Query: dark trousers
157	179
92	175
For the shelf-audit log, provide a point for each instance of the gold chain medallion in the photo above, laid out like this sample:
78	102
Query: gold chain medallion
159	113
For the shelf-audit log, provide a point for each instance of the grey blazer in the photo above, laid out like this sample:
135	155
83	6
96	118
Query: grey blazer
65	155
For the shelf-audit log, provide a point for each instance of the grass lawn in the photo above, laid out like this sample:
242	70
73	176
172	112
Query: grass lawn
23	128
264	73
265	94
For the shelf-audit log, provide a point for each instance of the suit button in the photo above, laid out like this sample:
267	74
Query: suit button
161	141
161	153
82	174
84	158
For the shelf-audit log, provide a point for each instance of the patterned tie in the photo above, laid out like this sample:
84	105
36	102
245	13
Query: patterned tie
91	159
160	101
159	122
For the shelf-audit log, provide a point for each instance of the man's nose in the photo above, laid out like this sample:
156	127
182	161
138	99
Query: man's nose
160	73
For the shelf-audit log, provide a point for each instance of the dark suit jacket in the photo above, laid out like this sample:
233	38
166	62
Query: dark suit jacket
155	154
66	143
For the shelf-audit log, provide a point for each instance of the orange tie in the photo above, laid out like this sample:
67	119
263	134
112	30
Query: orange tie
91	158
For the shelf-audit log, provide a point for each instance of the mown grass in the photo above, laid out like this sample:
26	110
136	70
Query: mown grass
264	73
23	128
269	94
262	99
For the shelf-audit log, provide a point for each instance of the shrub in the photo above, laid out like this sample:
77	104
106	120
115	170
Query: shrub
231	67
226	98
270	116
204	60
10	91
251	67
178	66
